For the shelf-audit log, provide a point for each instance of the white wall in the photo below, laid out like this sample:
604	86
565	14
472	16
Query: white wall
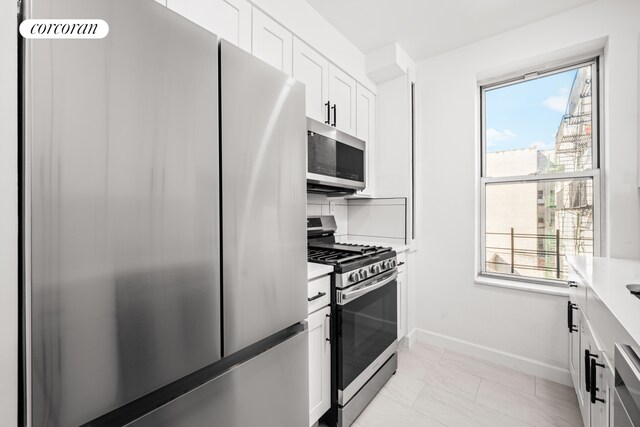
319	204
531	327
311	27
8	216
379	220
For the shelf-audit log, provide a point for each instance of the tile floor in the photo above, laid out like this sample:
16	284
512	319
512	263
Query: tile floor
438	387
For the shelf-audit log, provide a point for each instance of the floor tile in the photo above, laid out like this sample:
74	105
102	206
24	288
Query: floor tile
385	412
426	351
453	410
524	406
411	365
558	393
463	391
491	371
452	380
402	388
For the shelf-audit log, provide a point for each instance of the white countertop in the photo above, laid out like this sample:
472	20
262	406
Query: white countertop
316	270
608	278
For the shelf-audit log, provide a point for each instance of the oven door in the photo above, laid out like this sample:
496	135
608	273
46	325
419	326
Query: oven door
335	159
367	329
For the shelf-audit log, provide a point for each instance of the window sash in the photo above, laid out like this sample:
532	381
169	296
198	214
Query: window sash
595	100
594	173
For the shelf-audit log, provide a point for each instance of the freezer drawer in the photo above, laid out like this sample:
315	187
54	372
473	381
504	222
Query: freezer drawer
270	390
264	255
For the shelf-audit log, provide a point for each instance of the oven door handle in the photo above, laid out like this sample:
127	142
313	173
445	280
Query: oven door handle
346	297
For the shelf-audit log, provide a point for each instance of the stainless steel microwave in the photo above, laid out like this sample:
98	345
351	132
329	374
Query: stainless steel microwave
336	160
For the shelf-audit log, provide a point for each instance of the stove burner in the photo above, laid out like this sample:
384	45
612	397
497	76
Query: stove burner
340	253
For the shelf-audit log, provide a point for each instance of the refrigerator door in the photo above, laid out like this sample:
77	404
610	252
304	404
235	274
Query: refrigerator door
121	209
264	240
270	390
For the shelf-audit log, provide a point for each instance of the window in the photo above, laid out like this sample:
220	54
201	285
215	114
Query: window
539	176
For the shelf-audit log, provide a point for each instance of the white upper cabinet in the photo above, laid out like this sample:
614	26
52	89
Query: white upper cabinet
272	42
312	69
228	19
342	95
365	130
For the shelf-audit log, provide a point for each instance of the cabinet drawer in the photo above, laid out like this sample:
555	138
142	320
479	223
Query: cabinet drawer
578	290
319	291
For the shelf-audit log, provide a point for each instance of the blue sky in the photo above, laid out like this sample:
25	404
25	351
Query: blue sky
528	113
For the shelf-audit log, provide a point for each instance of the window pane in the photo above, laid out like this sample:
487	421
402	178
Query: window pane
540	126
529	225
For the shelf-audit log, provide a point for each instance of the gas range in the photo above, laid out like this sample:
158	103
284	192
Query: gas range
364	317
352	263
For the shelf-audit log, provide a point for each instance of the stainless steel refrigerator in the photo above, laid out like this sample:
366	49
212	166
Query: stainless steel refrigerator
163	227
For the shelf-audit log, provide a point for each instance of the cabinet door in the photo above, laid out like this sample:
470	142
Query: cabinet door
585	349
574	349
319	364
312	69
342	94
228	19
272	42
365	130
402	294
598	411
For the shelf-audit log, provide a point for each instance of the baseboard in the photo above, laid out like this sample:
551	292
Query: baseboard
509	360
410	338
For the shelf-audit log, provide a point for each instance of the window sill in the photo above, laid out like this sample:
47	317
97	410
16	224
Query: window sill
523	286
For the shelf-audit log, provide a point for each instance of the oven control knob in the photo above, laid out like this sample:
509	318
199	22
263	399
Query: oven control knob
354	277
375	269
363	273
392	262
386	265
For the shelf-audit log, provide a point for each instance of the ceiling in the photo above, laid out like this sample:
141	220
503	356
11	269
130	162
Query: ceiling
427	27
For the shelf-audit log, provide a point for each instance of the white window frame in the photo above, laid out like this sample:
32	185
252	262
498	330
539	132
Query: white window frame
595	61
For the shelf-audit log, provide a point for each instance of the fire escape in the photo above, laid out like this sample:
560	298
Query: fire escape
574	207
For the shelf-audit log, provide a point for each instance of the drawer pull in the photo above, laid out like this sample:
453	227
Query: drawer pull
570	308
328	318
320	295
594	384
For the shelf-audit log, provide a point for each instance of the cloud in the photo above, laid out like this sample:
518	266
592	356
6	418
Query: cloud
557	103
542	146
494	136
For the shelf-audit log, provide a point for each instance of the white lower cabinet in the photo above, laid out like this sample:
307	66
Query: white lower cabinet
402	295
598	372
319	363
228	19
590	371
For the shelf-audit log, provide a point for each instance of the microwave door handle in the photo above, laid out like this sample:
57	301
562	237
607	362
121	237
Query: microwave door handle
350	296
328	105
334	115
